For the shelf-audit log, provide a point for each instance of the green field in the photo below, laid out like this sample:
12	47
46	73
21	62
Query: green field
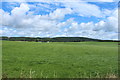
59	59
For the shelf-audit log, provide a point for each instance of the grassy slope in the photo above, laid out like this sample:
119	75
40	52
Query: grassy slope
59	59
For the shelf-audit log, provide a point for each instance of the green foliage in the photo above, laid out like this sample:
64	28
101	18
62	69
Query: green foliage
59	59
55	39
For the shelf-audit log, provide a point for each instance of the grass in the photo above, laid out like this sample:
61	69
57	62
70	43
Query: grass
60	59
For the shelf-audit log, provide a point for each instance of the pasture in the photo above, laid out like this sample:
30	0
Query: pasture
59	59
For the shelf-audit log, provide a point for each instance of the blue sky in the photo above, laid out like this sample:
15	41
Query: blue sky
58	19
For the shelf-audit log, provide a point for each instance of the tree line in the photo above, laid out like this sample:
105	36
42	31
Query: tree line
55	39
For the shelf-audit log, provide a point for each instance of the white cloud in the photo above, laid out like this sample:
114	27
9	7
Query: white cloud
22	22
60	13
59	0
107	29
86	10
20	11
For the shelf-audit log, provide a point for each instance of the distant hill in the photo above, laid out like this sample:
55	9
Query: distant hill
55	39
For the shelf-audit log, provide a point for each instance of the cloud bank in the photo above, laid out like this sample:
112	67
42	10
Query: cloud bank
21	21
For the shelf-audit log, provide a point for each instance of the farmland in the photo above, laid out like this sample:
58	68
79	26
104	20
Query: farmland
59	59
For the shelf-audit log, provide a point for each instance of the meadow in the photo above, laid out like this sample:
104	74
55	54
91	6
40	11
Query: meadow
59	59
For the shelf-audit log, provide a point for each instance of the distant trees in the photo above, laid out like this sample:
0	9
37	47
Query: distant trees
57	39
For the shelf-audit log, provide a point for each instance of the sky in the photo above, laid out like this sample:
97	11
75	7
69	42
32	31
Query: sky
91	19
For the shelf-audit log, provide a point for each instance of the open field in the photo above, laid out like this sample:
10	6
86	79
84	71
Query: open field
59	59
